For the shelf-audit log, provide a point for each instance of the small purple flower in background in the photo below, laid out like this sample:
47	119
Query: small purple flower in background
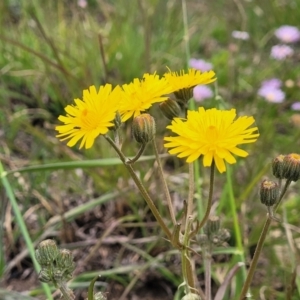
240	35
288	34
273	82
200	64
202	92
82	3
271	94
280	52
295	106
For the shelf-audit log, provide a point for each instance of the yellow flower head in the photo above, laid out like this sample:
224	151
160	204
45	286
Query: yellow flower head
182	83
212	133
139	95
89	117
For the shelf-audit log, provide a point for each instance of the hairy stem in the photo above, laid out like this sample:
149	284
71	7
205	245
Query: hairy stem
260	244
142	189
164	184
210	196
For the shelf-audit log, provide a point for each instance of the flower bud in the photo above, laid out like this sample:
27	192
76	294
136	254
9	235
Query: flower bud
170	108
269	192
143	128
184	94
44	276
219	238
212	225
291	166
203	240
46	252
277	166
65	261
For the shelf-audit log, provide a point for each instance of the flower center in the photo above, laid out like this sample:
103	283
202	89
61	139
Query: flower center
89	119
212	137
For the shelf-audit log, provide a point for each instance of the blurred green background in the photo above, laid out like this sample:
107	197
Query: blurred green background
51	50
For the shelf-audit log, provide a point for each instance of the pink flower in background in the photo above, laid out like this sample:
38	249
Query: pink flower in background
202	92
273	82
288	34
200	64
271	94
280	52
295	106
82	3
240	35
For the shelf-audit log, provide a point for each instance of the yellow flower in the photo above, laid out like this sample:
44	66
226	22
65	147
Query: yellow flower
182	83
139	95
212	133
89	117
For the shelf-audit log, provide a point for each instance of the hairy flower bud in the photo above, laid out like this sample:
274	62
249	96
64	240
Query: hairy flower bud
143	128
46	252
203	240
212	225
219	238
269	192
44	276
65	263
278	166
291	166
170	108
184	94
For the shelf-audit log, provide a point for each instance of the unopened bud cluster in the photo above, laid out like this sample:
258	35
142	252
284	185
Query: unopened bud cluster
213	233
57	264
287	167
283	167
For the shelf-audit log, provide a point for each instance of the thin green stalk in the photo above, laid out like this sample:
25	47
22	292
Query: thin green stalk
237	231
67	294
207	264
260	244
189	208
138	155
186	31
22	226
211	189
142	189
164	183
192	106
186	265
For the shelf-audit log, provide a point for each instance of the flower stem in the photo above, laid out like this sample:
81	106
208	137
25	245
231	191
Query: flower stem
187	269
142	189
211	189
164	183
240	256
138	155
67	294
189	208
207	265
260	244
